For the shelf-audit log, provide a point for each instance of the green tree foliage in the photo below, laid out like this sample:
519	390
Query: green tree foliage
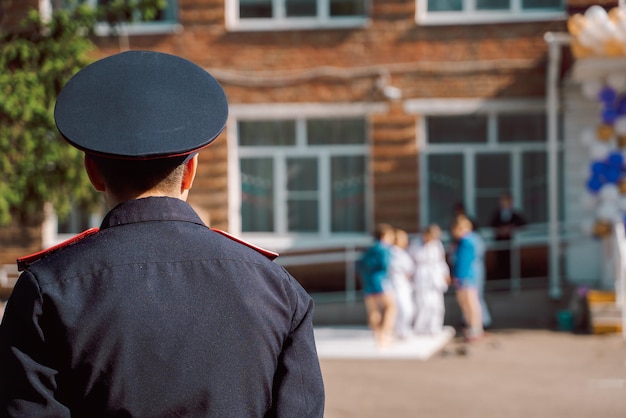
36	164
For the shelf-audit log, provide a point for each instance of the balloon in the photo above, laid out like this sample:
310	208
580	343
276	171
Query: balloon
601	228
600	151
575	24
598	168
591	88
617	80
622	203
616	159
608	211
594	184
619	125
588	135
609	114
604	132
621	141
609	193
596	15
608	95
622	186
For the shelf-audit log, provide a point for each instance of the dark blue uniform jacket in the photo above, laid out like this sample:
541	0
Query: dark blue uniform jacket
156	315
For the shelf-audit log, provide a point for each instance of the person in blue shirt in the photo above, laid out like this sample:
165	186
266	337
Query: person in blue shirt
379	300
466	276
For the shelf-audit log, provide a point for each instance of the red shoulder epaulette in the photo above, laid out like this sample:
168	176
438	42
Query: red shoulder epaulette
27	260
269	254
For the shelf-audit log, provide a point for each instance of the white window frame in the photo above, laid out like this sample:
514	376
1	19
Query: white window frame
135	28
282	240
472	16
489	108
280	22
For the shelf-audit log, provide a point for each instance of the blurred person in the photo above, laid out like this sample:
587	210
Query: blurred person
373	268
401	268
431	280
505	220
465	277
154	313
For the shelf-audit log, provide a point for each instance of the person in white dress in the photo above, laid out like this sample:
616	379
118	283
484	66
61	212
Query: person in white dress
401	269
430	280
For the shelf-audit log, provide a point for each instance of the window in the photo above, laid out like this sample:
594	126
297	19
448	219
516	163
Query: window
487	11
474	158
303	176
165	21
294	14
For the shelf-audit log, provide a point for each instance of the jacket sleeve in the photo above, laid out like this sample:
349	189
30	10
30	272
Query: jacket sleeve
27	375
298	386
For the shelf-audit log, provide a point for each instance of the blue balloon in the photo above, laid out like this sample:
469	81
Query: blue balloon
621	106
598	168
615	159
594	184
609	115
608	95
612	174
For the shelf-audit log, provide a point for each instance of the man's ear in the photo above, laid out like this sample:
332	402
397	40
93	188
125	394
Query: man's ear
94	174
190	173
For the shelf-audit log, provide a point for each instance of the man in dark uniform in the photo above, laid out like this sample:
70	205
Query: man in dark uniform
154	314
505	220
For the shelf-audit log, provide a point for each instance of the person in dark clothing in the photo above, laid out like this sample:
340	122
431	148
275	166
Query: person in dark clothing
154	314
505	220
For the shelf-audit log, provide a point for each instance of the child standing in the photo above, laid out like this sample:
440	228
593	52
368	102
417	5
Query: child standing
400	273
431	280
373	268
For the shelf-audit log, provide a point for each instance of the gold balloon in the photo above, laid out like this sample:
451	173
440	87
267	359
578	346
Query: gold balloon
575	24
579	50
621	141
622	186
601	229
613	48
604	132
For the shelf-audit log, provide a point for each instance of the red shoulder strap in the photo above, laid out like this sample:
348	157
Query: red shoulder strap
269	254
27	260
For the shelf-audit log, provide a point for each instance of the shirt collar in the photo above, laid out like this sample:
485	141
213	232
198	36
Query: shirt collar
150	209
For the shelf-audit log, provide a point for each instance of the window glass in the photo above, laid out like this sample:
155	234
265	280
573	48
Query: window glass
542	4
493	178
348	193
255	9
522	128
535	186
347	8
257	194
493	4
302	174
457	129
302	215
336	131
301	8
265	133
445	5
445	186
302	191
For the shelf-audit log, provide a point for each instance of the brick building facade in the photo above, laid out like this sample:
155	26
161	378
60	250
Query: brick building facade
409	77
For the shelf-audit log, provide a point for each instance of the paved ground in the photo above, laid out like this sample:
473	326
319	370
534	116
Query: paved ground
525	370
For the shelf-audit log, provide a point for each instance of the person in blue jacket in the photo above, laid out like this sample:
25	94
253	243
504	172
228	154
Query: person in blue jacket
373	269
154	314
465	275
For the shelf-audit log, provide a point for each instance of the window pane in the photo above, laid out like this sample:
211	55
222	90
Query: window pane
542	4
347	7
445	5
348	193
264	133
493	4
445	186
336	131
302	174
493	178
255	8
299	8
302	215
257	194
535	186
457	129
522	128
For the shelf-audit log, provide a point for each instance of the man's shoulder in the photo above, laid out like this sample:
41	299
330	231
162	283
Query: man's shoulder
25	261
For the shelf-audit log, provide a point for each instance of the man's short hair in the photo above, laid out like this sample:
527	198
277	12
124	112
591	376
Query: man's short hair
138	176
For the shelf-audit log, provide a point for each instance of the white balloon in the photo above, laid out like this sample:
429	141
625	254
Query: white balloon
591	88
596	15
588	136
617	81
622	203
608	211
609	193
599	151
619	126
